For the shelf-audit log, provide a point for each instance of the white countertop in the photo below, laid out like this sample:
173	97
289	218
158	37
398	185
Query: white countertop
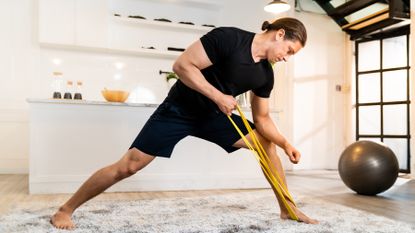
89	102
106	103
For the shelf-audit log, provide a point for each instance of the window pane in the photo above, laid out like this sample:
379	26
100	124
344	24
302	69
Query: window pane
369	55
394	52
369	88
369	120
399	146
394	85
394	119
370	139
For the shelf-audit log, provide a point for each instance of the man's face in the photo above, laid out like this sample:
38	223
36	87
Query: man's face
283	48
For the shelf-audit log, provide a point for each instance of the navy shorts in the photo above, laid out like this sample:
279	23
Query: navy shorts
170	123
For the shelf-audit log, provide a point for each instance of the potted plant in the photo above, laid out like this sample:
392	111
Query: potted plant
171	78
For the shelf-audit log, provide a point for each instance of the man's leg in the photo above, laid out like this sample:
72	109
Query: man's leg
133	161
271	150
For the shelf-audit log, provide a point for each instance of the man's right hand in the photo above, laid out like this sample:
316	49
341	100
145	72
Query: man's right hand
226	104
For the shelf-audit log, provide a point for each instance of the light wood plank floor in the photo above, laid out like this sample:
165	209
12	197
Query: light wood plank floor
397	203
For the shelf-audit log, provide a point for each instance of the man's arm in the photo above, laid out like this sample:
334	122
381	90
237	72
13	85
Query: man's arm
266	127
188	67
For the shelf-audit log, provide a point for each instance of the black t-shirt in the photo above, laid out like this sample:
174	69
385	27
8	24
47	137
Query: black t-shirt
233	71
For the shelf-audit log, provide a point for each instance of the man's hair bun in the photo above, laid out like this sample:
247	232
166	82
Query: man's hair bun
265	25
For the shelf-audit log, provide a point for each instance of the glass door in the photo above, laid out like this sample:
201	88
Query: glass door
382	94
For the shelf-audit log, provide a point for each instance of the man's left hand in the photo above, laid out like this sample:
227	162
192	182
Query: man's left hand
292	153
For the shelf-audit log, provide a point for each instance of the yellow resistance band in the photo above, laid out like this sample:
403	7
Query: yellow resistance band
266	165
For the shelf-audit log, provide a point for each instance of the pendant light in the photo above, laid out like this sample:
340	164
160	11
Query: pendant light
277	6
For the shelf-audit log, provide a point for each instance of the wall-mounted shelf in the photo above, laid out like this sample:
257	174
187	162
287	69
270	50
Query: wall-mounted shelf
204	4
163	25
133	52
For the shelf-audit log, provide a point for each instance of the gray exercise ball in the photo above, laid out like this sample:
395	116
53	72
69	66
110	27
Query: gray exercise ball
368	168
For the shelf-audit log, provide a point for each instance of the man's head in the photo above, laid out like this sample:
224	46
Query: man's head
290	36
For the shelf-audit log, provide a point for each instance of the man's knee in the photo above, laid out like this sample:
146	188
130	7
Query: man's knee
132	162
126	170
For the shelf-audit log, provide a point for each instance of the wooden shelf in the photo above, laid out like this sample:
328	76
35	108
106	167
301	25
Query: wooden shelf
368	20
134	52
164	25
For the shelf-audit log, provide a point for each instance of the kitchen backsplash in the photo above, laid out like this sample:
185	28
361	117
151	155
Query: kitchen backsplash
139	76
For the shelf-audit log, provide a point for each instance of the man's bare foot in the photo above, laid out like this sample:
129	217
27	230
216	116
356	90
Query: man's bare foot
301	216
62	220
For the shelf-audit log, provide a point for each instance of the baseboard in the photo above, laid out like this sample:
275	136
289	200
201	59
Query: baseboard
14	165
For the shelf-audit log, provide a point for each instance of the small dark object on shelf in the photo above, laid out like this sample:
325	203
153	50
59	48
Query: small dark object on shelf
189	23
77	96
208	25
175	49
117	15
67	96
163	20
136	17
151	47
57	95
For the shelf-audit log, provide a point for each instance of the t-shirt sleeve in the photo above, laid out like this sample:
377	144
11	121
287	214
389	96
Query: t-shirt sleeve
218	44
264	91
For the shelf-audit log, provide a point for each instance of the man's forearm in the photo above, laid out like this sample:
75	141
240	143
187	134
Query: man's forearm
266	127
193	78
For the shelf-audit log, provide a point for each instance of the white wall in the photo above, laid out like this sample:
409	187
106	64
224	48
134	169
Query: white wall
17	59
317	109
305	85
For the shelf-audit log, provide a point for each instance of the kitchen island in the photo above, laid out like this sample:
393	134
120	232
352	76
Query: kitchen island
69	140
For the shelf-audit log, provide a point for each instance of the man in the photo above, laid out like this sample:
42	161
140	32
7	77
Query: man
213	70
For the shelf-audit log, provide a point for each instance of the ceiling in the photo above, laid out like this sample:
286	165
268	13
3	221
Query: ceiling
363	19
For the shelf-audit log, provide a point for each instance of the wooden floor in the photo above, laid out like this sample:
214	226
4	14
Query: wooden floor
397	203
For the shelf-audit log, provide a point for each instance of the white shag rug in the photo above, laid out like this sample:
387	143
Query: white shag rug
253	211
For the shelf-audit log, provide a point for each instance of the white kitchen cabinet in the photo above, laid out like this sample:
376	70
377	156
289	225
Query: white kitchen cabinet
91	20
57	21
69	140
73	22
